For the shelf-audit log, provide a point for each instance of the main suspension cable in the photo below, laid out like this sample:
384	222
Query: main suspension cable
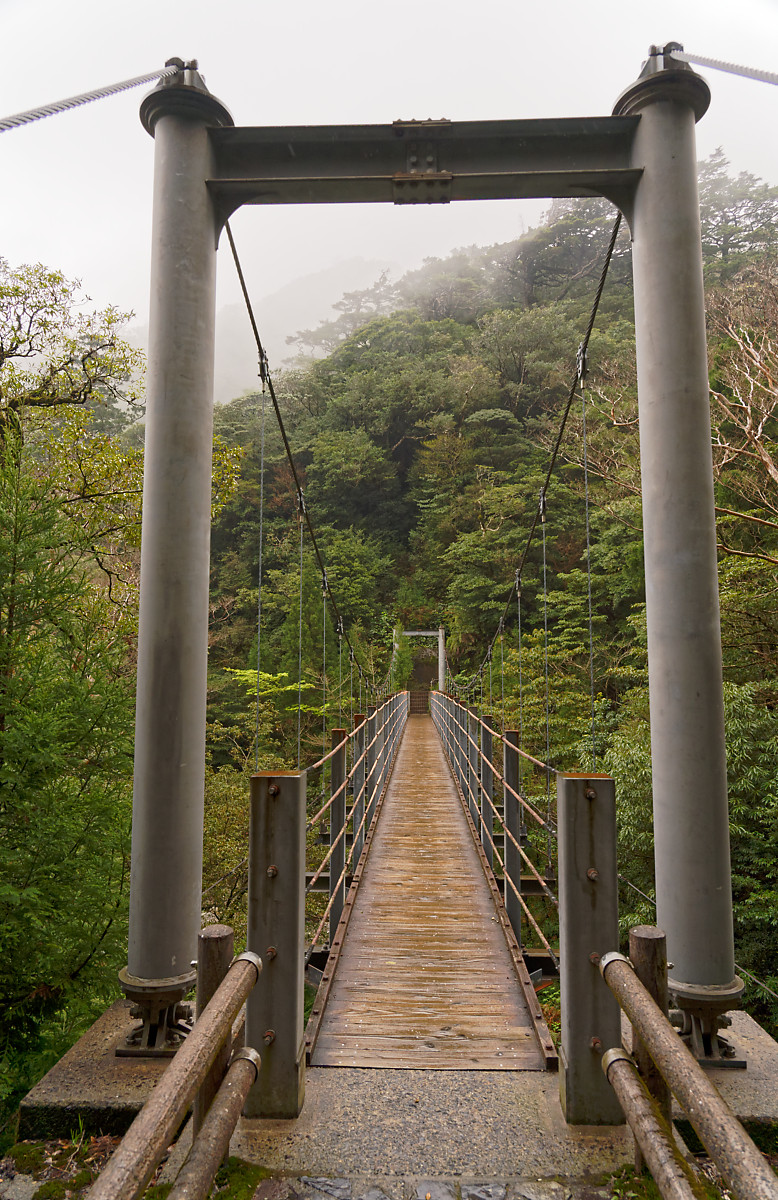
582	350
267	379
717	65
59	106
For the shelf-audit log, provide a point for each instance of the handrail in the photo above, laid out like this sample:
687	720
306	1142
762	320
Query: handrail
138	1155
726	1141
375	758
471	760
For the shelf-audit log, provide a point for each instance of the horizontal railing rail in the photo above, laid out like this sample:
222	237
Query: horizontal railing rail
136	1158
351	805
742	1166
471	743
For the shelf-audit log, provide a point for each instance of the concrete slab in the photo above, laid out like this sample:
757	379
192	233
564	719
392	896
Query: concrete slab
472	1126
92	1084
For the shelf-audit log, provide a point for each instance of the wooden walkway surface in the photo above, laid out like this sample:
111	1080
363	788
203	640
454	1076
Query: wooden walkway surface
425	977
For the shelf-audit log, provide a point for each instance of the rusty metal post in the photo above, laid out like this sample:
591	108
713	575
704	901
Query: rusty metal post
588	927
276	922
487	789
136	1158
654	1140
211	1145
472	746
648	955
337	829
359	785
743	1167
215	950
370	765
515	826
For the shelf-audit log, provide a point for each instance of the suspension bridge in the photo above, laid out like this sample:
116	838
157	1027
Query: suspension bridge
432	948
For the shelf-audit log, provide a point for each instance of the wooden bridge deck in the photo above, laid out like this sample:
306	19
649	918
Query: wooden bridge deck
425	977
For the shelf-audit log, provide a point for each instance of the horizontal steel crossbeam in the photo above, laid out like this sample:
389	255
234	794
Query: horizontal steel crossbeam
412	162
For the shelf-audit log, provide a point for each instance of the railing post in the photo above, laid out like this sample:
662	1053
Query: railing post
359	785
588	925
515	826
473	773
648	955
337	831
460	725
276	932
370	765
487	790
215	951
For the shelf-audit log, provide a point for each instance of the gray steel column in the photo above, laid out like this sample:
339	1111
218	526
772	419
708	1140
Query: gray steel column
167	831
441	660
693	879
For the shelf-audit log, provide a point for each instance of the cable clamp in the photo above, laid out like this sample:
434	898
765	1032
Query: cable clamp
542	504
340	627
301	503
581	363
325	587
264	369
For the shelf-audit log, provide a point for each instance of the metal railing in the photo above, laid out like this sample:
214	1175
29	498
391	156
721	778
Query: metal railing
494	796
647	1107
359	764
133	1163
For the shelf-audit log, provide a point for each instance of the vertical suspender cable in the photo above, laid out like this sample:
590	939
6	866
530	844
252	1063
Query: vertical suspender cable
259	569
502	676
301	503
521	681
582	376
324	671
545	667
340	674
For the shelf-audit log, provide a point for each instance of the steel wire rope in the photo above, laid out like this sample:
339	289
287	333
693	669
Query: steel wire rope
324	670
545	665
563	423
259	567
582	378
521	680
300	636
718	65
60	106
268	379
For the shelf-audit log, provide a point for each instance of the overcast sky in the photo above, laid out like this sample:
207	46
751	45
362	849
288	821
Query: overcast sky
76	188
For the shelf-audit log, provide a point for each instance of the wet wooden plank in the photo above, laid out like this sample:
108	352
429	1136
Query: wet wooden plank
425	977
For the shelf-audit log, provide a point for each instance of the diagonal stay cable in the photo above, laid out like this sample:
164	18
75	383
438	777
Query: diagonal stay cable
267	379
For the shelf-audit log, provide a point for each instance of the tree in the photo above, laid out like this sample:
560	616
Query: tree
53	355
738	214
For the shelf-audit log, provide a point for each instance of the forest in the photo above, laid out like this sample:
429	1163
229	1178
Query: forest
421	419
